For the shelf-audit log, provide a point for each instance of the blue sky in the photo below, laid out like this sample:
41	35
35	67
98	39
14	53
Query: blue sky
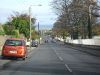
43	14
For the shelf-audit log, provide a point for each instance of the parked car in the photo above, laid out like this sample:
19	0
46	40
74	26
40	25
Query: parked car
34	43
28	43
14	47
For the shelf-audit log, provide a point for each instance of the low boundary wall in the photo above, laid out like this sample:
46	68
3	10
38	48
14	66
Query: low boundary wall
82	41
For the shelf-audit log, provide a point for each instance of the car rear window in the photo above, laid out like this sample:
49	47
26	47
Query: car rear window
13	42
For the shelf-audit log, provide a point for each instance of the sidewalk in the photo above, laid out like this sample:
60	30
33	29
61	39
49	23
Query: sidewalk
2	41
93	50
0	49
28	49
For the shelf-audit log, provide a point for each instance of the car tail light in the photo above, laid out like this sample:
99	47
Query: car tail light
21	50
4	50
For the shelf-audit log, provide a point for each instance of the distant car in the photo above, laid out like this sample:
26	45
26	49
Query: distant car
46	41
34	43
14	47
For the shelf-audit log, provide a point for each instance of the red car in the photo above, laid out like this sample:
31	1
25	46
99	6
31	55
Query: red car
14	47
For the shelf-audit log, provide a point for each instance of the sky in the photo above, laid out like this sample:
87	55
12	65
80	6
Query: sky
43	14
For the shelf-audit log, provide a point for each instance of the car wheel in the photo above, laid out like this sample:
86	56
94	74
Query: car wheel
23	58
2	56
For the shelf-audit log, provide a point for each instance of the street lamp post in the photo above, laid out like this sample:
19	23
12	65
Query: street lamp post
30	21
30	24
39	32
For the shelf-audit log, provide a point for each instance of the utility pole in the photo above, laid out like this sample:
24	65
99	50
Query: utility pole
39	32
89	18
89	24
31	22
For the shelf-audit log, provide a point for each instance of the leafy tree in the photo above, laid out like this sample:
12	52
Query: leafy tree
35	35
1	30
15	34
8	29
19	22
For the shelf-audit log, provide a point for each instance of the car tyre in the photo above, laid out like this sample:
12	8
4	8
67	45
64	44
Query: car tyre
2	56
23	58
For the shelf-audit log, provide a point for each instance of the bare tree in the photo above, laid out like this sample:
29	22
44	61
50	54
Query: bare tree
76	15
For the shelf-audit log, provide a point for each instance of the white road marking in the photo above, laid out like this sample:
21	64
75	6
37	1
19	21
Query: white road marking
58	55
68	68
55	51
61	58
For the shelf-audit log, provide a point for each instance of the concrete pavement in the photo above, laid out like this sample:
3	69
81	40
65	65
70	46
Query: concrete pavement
93	50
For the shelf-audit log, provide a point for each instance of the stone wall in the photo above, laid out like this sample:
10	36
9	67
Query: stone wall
2	40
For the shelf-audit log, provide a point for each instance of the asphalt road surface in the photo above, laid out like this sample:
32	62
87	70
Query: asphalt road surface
52	59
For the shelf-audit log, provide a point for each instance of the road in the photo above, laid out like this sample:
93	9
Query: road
52	59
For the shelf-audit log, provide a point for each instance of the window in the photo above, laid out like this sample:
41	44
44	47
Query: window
14	42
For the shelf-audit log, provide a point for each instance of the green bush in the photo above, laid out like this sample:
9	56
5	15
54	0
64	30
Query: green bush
15	34
2	33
